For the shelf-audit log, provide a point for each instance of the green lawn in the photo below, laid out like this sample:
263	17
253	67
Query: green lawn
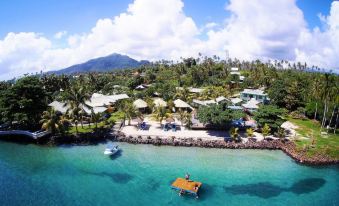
324	144
116	116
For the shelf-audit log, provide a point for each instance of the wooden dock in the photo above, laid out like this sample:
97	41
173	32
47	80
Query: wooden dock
187	186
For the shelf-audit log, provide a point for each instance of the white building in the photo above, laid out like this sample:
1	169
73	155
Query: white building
257	94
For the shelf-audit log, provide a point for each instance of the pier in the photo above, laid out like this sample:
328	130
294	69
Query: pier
33	135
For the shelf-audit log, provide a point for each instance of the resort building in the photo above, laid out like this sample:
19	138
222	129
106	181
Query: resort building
235	71
178	103
192	89
221	99
236	100
257	94
98	103
198	103
251	105
140	104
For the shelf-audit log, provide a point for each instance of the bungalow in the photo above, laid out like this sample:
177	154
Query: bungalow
197	103
98	102
235	71
191	89
257	94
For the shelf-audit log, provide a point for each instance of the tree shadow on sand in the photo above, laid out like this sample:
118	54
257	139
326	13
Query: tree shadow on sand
267	190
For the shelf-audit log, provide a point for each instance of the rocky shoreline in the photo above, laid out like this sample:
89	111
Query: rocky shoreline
286	146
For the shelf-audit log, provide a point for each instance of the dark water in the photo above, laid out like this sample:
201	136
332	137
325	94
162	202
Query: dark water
142	174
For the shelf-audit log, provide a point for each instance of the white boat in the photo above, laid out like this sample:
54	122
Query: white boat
111	150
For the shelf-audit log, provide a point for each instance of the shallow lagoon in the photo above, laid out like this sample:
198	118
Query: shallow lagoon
141	175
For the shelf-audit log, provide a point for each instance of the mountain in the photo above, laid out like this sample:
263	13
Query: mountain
103	64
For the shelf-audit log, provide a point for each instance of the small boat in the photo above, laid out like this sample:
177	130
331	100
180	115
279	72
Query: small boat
111	150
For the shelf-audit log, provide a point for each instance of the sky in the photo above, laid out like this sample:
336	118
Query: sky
42	35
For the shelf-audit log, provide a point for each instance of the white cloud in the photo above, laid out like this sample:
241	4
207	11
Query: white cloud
322	48
60	34
259	29
152	29
21	53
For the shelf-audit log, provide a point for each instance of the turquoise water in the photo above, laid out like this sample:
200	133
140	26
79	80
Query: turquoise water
141	175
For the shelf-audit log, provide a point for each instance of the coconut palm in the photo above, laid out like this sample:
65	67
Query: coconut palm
95	117
130	111
234	133
74	114
185	118
281	133
160	113
77	97
188	119
266	130
249	132
51	121
183	94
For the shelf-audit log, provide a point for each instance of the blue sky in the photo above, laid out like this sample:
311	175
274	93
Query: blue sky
77	16
47	35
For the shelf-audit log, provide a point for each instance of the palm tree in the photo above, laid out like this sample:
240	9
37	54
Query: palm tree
130	111
249	132
74	114
281	132
234	133
95	117
76	97
181	116
160	113
266	130
188	119
51	121
185	118
183	94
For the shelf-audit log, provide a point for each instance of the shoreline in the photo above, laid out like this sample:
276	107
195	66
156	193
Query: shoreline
288	147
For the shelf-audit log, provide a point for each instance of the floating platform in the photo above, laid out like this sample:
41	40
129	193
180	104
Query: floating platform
187	186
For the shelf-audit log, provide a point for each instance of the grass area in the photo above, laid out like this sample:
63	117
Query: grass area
116	116
323	144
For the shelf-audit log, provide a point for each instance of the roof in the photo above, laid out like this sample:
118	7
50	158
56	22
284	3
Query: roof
235	107
187	185
181	104
159	102
191	89
251	104
196	90
96	110
236	100
140	87
100	100
236	73
234	69
254	91
59	106
139	103
205	102
221	98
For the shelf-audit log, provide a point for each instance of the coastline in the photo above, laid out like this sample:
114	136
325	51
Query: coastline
288	147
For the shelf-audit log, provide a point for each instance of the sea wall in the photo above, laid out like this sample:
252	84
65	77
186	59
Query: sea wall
286	146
